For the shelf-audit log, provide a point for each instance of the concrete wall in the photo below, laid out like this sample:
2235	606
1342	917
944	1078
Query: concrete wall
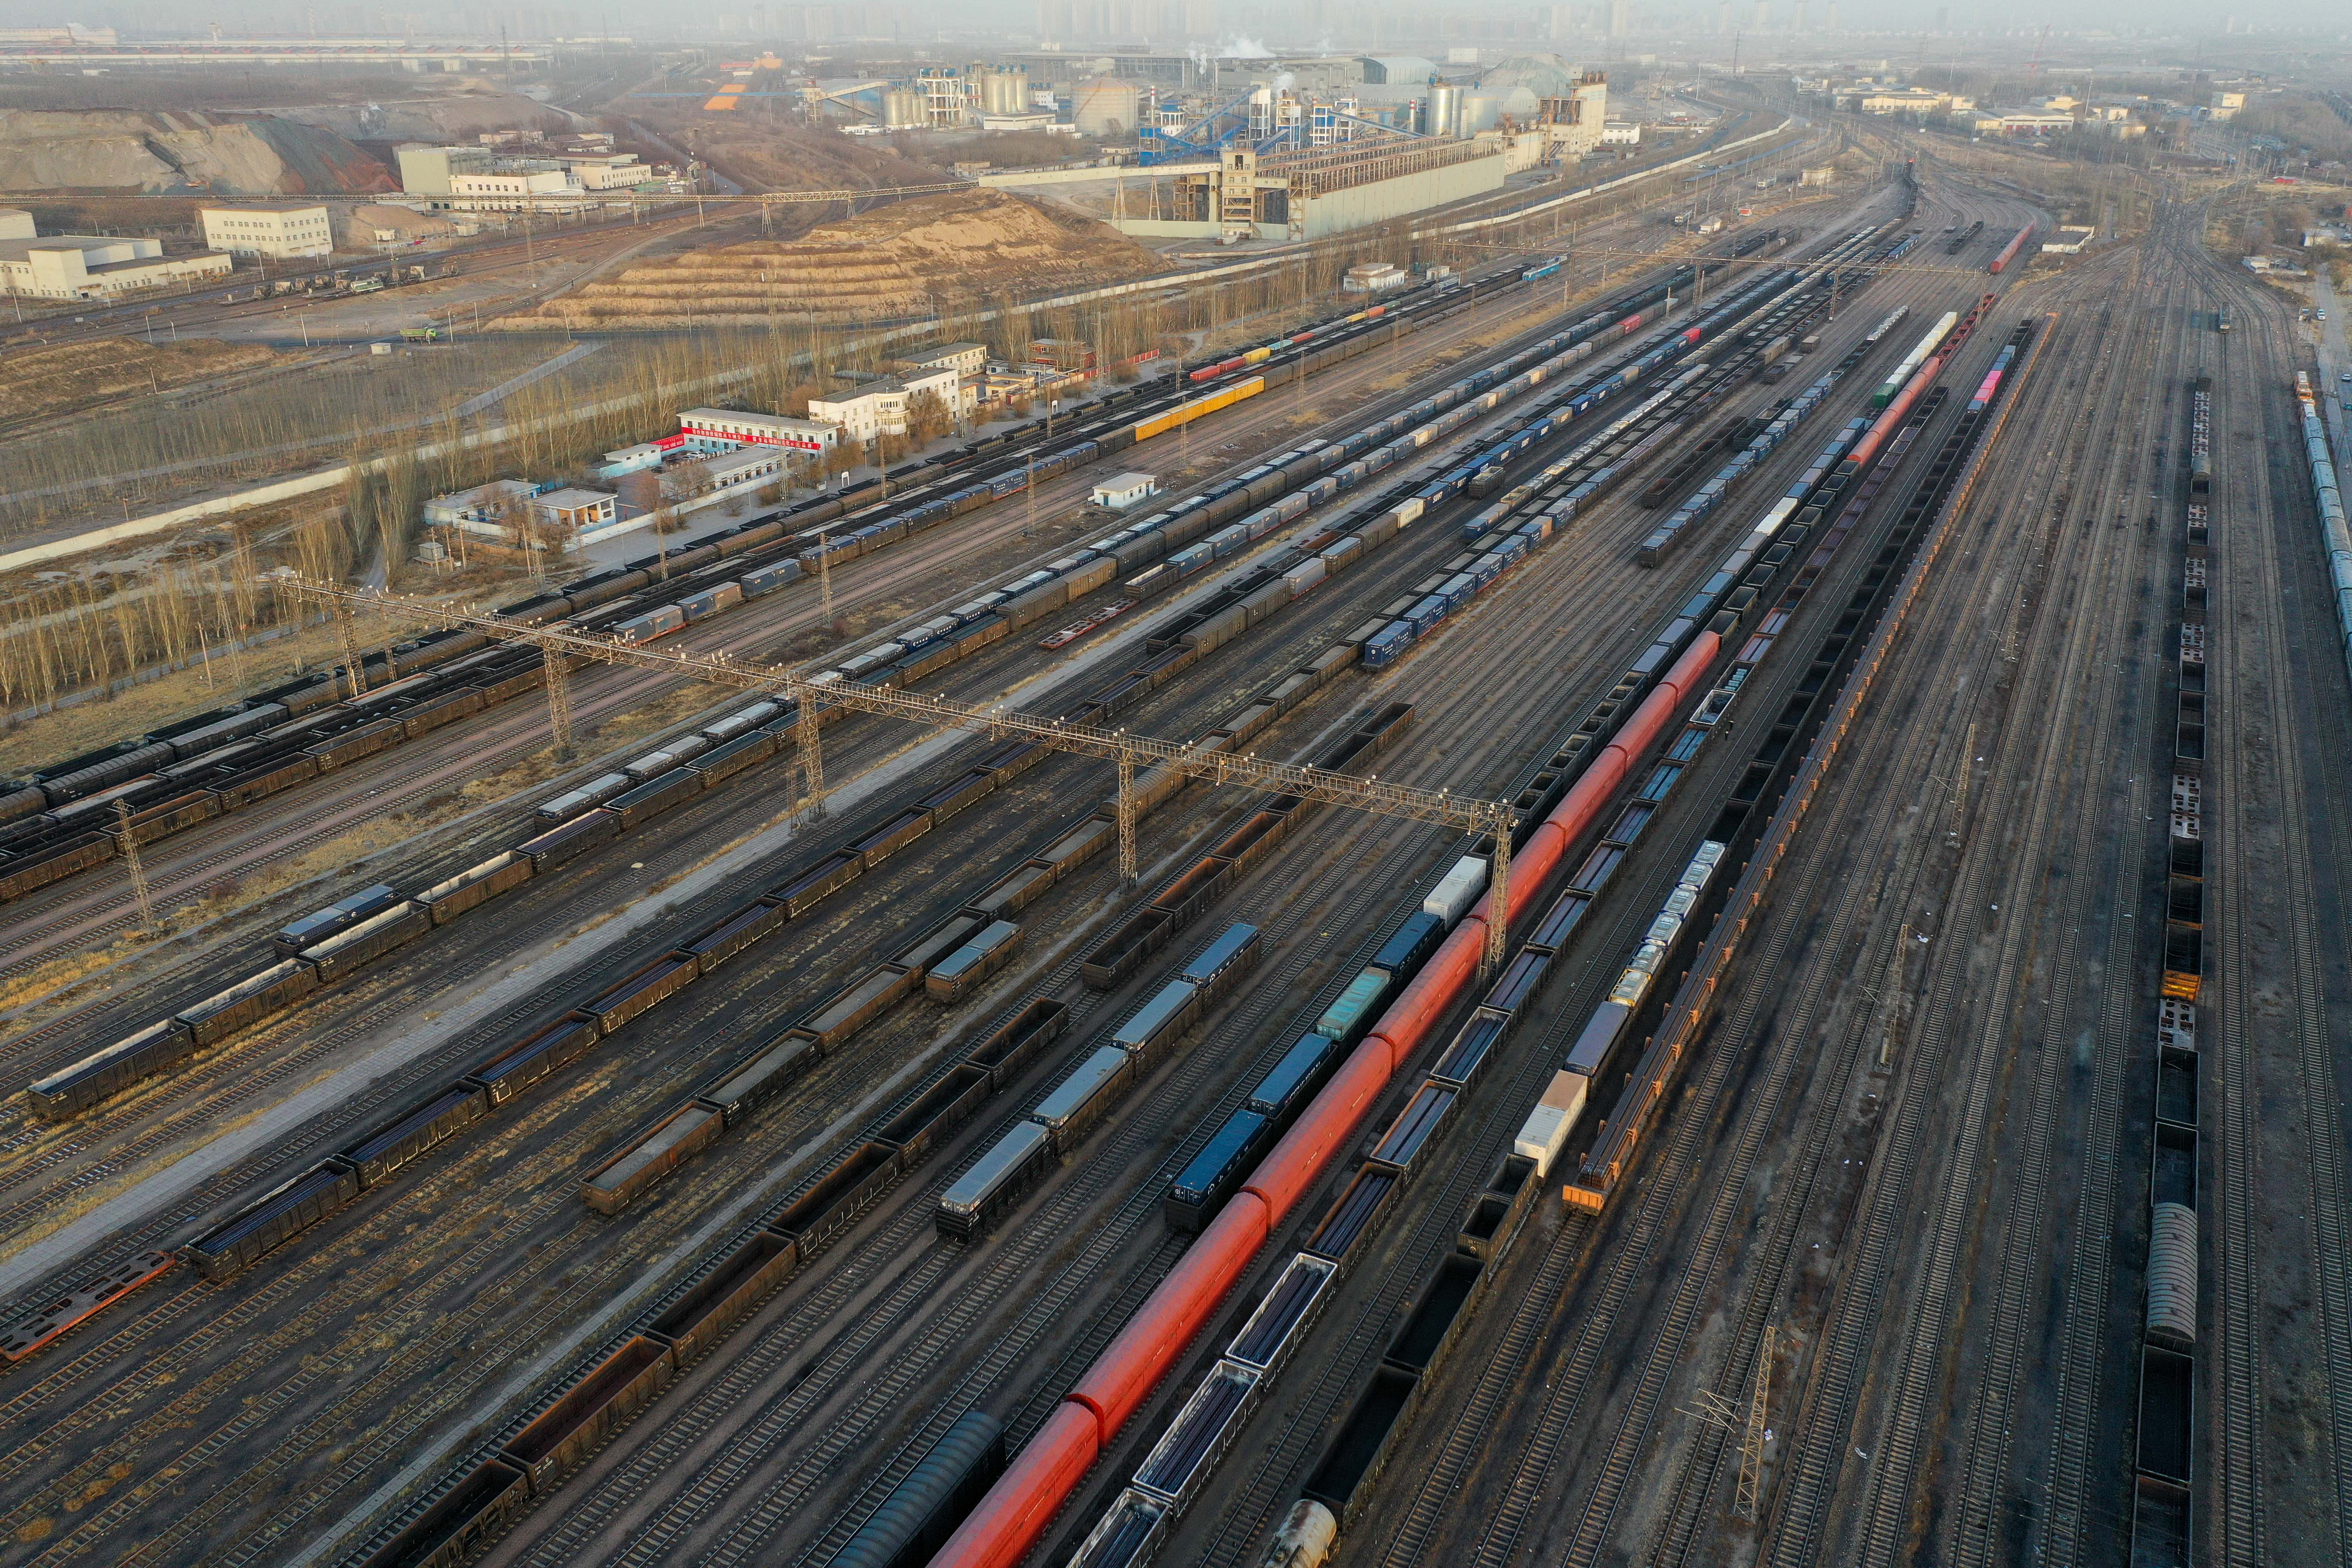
1360	205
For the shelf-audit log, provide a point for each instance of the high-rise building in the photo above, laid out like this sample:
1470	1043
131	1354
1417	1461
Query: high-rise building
1560	23
1722	19
1621	18
1830	23
1763	17
1798	24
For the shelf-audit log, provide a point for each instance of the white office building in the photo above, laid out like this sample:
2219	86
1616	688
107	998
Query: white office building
279	232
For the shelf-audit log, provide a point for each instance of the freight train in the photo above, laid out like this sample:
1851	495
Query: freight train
1350	1477
449	1528
61	822
1007	1519
606	807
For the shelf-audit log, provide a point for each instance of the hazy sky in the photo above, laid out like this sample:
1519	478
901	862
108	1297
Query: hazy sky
189	17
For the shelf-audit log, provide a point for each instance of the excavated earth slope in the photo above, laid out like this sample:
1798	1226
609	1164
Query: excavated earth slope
180	149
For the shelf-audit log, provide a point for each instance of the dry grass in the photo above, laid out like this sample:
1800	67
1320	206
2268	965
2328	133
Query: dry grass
68	378
141	710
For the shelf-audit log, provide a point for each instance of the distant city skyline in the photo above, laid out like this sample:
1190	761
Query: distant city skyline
1344	26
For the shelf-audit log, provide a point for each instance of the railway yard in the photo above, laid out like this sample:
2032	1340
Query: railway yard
1676	911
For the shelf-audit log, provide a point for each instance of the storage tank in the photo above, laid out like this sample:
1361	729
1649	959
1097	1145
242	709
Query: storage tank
2172	1276
1005	92
904	108
1103	106
1479	111
1445	109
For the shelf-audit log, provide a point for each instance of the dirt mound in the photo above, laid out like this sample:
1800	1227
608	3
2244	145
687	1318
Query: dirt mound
453	117
941	253
767	156
47	382
244	155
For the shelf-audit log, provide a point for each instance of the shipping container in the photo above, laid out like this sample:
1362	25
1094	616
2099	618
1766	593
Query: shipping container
586	1414
571	802
828	1208
560	844
715	1303
650	984
353	949
961	973
273	1219
1349	1016
779	1062
939	1111
1458	890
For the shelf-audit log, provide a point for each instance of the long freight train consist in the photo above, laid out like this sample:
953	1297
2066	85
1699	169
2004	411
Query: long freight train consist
334	943
1004	1170
64	820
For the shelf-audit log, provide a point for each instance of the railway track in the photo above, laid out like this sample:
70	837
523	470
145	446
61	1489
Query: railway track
1799	1179
1414	1536
1243	1519
1143	1198
227	1079
2266	809
38	926
1660	1218
1496	655
2120	724
2024	756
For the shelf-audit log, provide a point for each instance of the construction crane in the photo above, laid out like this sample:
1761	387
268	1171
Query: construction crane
1127	750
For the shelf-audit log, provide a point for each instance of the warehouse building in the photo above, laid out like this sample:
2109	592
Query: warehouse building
92	267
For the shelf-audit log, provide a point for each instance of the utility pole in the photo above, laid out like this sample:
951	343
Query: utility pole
558	704
391	665
812	761
1751	1443
127	845
1498	895
825	582
1129	872
354	676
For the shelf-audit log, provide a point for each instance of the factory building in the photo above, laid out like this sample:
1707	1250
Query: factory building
1319	192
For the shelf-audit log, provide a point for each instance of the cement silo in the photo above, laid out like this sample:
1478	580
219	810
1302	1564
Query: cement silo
1444	110
1103	106
1005	92
904	108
